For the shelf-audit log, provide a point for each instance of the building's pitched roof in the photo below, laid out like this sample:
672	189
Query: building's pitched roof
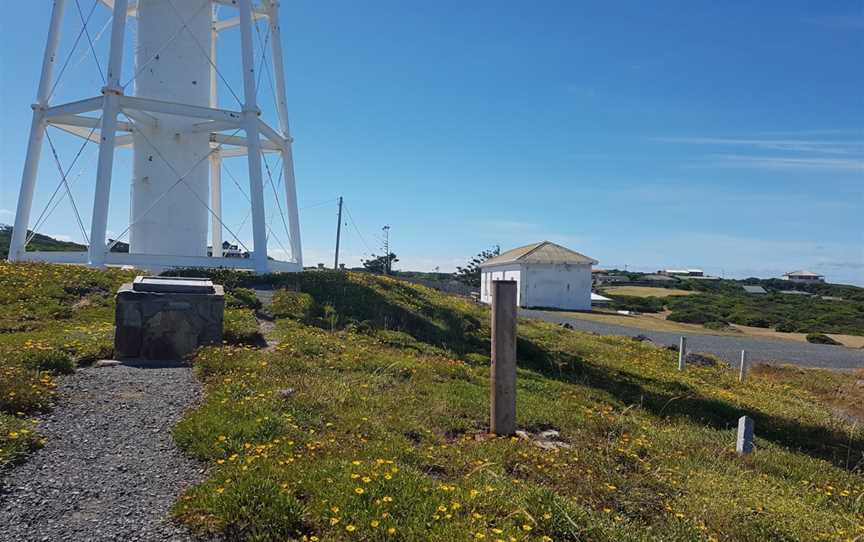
755	290
542	252
802	274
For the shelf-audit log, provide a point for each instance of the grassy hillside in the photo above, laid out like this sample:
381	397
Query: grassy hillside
368	421
725	302
53	318
39	242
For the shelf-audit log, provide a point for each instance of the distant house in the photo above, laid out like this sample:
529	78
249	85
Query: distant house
794	292
755	290
547	275
228	251
804	277
682	272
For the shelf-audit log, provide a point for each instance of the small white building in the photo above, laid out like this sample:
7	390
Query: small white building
547	275
804	277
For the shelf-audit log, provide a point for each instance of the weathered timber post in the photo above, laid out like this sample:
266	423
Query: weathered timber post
503	376
742	372
744	444
682	353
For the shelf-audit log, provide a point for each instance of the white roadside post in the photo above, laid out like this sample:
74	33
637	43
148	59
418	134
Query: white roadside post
105	162
253	145
37	133
682	353
742	372
284	128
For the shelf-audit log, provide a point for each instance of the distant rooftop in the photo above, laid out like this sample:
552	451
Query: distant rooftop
755	290
542	252
802	274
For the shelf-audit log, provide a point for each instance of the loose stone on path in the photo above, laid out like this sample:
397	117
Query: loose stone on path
110	469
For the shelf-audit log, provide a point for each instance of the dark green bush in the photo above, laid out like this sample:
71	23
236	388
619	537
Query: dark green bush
638	304
821	338
242	298
241	327
717	326
693	316
48	359
290	304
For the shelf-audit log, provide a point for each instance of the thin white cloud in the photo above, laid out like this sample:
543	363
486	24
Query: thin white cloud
775	163
852	148
6	212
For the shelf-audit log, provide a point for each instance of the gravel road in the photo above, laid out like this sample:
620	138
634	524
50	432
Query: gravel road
725	347
110	469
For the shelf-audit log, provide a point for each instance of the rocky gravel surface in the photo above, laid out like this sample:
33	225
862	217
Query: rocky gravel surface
110	469
727	348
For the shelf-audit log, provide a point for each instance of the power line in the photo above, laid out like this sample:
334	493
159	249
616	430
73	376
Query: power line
363	239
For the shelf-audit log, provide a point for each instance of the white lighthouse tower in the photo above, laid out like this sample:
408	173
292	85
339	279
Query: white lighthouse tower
179	135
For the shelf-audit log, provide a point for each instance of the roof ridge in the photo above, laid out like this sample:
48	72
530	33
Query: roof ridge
533	250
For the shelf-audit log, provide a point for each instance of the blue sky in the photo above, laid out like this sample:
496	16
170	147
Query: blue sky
721	135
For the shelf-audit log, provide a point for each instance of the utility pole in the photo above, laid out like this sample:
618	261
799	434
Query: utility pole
338	234
386	249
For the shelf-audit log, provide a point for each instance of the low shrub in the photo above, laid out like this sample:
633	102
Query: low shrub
48	359
638	304
242	298
821	338
717	326
25	390
691	316
241	327
290	304
17	439
786	327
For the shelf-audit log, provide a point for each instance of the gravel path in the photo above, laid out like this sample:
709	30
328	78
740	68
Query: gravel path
110	469
725	347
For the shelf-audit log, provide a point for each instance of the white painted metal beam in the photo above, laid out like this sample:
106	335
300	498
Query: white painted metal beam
174	108
75	108
157	261
241	141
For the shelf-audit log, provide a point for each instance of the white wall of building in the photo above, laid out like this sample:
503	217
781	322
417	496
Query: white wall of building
512	271
560	286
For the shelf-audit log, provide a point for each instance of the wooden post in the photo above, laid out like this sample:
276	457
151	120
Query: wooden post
503	376
742	373
682	353
744	443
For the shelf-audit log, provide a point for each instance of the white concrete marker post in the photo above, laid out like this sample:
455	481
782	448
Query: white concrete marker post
742	372
744	444
503	374
682	353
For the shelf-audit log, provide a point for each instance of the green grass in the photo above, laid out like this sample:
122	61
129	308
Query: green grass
371	425
368	422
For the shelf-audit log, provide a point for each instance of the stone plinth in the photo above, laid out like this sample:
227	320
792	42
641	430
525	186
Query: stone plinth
166	319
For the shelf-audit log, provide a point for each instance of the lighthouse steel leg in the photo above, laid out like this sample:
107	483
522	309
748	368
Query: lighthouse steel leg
105	161
216	203
253	144
37	131
287	154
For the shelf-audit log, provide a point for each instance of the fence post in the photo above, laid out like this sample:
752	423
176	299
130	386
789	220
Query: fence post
682	353
503	374
742	373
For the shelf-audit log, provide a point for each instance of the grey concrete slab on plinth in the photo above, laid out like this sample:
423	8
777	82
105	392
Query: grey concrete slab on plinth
165	324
